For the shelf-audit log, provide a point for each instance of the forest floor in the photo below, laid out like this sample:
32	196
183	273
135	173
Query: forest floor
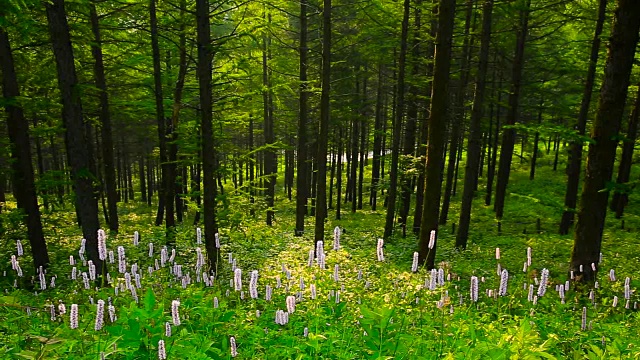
358	307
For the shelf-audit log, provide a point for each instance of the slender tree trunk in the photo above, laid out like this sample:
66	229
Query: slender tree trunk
575	148
75	131
491	167
536	140
378	134
339	175
141	176
602	151
105	120
437	129
269	139
355	136
509	135
205	72
397	125
252	166
325	116
620	199
475	130
162	143
23	178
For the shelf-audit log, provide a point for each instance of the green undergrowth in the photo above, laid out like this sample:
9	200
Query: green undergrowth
374	309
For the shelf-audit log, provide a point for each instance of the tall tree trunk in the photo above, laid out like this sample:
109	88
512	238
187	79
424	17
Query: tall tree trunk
75	131
205	72
602	151
509	135
105	121
23	178
355	137
456	124
536	141
142	177
325	116
397	125
475	130
252	167
377	140
575	148
620	199
424	124
491	167
437	129
412	120
162	142
339	175
269	138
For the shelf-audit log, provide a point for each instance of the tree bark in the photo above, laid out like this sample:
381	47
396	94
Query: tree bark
75	131
475	130
325	116
205	72
509	135
22	174
397	125
269	138
437	129
536	141
575	148
378	134
602	151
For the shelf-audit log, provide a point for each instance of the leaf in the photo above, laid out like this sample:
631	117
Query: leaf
149	300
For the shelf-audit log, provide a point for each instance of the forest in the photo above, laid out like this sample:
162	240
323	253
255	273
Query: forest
416	179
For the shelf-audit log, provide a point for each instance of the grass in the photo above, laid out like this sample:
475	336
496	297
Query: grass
375	310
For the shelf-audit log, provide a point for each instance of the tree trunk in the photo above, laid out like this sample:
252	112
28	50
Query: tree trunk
325	116
75	131
205	72
105	121
536	141
355	136
602	151
397	125
437	129
620	198
575	148
491	166
269	139
162	142
475	130
378	134
23	178
509	135
141	176
339	175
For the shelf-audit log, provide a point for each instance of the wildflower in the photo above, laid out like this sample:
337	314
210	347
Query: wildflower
217	238
336	273
612	275
258	313
504	278
320	254
584	319
167	329
83	244
43	280
237	279
336	238
73	316
291	304
593	267
85	280
414	265
528	256
122	262
267	293
313	291
112	313
379	250
71	260
253	285
61	308
310	261
497	253
305	332
440	276
432	239
282	317
615	301
136	238
359	274
627	291
544	278
19	248
530	296
433	279
162	353
52	309
99	315
234	349
524	267
173	255
150	249
474	289
74	273
198	236
175	315
338	297
102	245
92	270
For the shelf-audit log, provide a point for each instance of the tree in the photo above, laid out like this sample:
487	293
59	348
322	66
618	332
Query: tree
204	72
602	150
105	120
301	177
22	174
325	115
437	129
475	131
76	138
575	150
509	135
397	125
